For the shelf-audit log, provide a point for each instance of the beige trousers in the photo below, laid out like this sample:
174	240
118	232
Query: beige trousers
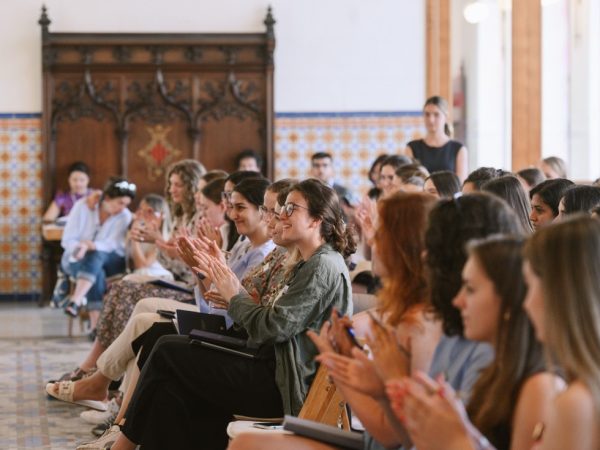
119	358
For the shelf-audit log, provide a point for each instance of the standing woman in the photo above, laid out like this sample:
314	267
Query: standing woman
562	271
437	151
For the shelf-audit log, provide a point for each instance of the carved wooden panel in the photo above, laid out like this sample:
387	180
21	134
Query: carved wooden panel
131	104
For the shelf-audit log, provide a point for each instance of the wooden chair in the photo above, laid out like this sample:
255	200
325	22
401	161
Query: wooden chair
323	404
84	315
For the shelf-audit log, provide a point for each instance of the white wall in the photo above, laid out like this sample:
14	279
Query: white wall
331	55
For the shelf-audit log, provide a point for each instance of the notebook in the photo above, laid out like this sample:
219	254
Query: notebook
220	342
171	285
186	321
323	433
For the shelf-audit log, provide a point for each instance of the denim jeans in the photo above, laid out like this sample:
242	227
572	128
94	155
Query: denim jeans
95	266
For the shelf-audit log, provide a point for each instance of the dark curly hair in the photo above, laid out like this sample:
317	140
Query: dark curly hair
323	203
452	223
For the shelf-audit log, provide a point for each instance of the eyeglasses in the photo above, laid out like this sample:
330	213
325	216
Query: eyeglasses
267	213
289	208
226	196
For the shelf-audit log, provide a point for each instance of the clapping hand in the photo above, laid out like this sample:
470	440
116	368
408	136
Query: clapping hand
365	215
357	372
168	247
224	279
391	360
431	412
206	230
216	299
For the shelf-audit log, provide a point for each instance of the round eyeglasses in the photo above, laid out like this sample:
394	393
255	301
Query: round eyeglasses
289	208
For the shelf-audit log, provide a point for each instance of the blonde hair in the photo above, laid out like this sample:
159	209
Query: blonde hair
566	256
557	164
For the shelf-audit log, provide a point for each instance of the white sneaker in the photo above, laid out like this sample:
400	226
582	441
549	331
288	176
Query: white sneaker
98	417
103	442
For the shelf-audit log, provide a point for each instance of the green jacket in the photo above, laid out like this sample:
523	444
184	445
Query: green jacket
314	287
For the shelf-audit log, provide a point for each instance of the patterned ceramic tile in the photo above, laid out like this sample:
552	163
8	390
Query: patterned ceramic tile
20	204
354	140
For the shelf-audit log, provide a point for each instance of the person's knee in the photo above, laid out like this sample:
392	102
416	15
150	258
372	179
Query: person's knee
142	322
145	305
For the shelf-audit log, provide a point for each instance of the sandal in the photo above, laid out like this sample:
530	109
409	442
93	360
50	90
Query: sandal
72	309
65	394
75	375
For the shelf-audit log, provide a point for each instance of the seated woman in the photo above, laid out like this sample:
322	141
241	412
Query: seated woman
94	243
530	178
152	211
200	389
411	178
563	303
578	199
553	167
510	189
545	198
514	394
442	184
78	178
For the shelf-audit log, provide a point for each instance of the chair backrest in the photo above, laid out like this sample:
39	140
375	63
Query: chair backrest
324	403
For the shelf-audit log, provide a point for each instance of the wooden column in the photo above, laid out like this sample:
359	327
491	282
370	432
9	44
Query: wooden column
526	83
439	79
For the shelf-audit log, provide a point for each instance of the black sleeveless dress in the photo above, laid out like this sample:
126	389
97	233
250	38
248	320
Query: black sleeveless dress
436	158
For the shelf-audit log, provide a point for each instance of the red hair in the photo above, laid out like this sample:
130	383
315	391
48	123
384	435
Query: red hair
400	241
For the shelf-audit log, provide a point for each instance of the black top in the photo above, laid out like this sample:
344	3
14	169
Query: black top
501	435
436	158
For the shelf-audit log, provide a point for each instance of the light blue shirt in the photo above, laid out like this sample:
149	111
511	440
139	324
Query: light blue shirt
242	258
83	224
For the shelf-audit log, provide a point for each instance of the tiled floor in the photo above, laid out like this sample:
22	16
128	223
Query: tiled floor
33	349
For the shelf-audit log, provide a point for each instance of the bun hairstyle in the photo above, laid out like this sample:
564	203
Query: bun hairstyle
118	187
442	105
323	203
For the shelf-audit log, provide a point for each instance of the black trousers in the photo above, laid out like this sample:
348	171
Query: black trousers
187	394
